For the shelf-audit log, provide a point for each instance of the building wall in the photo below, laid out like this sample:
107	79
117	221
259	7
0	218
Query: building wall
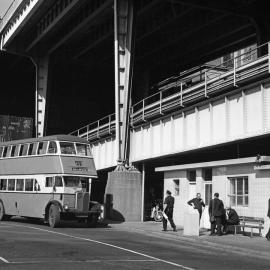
259	191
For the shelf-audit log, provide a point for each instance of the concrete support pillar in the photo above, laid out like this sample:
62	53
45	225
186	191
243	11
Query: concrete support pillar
125	190
42	68
123	44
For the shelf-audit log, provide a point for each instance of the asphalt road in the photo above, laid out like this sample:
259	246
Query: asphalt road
32	245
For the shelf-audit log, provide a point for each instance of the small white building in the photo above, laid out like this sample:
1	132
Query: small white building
243	183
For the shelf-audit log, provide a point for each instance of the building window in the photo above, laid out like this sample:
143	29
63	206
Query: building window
207	192
191	175
207	174
238	191
176	187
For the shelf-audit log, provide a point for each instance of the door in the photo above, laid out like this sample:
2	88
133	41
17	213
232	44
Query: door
207	197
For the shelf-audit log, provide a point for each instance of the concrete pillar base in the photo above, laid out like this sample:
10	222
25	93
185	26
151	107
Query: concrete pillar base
125	187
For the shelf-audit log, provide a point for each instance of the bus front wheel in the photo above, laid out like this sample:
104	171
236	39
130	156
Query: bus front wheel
54	216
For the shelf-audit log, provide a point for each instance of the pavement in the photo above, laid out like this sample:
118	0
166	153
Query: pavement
256	246
29	244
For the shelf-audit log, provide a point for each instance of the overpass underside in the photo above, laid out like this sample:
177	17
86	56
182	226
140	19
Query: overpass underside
88	53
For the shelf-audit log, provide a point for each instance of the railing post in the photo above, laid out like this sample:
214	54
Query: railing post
205	84
143	111
78	133
269	57
87	132
98	129
160	102
110	124
131	115
181	94
234	71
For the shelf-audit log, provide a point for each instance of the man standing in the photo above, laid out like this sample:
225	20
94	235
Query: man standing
216	210
168	210
197	203
268	214
233	218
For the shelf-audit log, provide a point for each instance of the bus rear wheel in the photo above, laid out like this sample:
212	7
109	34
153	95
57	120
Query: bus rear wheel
54	216
2	211
92	221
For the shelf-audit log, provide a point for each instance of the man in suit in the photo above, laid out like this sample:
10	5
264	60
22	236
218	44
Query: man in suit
216	210
168	210
233	218
197	203
268	214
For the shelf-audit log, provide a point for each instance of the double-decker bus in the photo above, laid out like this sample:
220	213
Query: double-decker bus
48	178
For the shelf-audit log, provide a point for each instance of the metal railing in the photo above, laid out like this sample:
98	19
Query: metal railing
8	14
179	93
98	129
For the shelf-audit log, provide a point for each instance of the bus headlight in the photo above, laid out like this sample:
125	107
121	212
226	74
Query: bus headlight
65	207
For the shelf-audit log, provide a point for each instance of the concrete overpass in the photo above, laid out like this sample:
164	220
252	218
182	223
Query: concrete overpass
71	45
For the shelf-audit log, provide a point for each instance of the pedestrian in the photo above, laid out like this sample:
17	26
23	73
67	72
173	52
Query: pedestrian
216	210
198	204
233	219
168	210
268	214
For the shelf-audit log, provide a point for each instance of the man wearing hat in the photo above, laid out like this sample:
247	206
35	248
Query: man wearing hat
233	218
168	210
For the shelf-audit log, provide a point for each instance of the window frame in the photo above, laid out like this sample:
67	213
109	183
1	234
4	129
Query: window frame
176	187
235	195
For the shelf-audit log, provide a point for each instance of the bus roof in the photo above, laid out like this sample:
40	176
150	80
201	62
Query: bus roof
60	137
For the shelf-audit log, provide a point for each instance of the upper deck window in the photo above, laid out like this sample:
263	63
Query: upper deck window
83	149
42	146
67	148
52	149
9	150
23	150
13	148
5	151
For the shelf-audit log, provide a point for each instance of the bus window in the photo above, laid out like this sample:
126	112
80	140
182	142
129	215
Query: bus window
3	184
23	150
72	181
29	184
52	148
9	150
11	184
30	149
83	149
67	148
5	151
49	182
13	148
36	185
42	148
58	181
19	184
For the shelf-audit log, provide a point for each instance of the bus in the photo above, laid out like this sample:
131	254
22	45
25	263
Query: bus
48	178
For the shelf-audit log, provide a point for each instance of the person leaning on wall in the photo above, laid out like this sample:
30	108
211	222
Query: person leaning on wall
268	214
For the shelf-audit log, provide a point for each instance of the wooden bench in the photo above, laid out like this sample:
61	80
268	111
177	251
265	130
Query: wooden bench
249	222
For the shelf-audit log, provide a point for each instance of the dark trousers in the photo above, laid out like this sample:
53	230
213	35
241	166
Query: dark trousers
216	223
170	218
228	223
268	234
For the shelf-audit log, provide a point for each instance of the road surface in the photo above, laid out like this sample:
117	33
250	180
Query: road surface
33	245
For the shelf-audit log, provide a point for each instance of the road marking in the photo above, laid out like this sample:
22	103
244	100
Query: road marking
80	261
109	245
4	260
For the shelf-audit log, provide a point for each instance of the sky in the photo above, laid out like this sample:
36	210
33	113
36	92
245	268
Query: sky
4	4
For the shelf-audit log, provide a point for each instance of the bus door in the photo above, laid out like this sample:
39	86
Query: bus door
58	188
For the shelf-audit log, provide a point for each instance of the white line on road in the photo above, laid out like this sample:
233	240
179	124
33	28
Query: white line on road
109	245
80	261
4	260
